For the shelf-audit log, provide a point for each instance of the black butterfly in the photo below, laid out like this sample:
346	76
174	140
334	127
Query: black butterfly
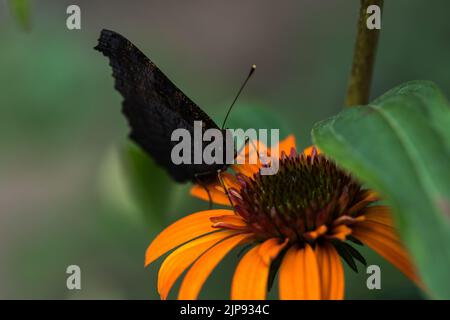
154	107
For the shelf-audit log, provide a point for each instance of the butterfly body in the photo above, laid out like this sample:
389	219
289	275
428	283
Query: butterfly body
155	107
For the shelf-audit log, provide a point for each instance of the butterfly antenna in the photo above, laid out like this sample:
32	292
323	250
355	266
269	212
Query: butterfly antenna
239	92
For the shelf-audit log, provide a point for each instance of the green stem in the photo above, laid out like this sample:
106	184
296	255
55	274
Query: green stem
358	91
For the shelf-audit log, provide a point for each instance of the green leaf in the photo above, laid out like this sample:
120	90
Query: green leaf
131	182
113	187
400	146
21	9
149	184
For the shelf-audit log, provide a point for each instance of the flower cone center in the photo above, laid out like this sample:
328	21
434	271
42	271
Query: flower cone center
307	193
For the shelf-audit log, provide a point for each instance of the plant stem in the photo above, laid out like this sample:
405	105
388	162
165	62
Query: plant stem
363	58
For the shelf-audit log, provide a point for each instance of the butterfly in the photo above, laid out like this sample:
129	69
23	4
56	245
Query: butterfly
155	107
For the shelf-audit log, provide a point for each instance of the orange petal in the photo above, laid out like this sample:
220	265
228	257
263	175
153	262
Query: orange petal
181	231
299	275
286	145
340	232
244	166
313	235
249	153
250	277
368	198
379	214
384	240
232	221
229	181
246	169
175	264
218	196
372	196
331	272
201	269
308	151
270	249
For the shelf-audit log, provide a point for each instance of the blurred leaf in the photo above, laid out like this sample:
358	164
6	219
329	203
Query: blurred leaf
400	146
150	185
21	9
135	185
114	186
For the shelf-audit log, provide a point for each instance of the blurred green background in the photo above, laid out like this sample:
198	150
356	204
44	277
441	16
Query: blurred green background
74	191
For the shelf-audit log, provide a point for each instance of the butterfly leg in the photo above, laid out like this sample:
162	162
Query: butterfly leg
247	139
254	147
243	146
225	188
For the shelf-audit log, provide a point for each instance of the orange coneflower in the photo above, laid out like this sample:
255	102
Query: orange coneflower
299	222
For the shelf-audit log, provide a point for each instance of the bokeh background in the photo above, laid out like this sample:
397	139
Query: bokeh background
74	191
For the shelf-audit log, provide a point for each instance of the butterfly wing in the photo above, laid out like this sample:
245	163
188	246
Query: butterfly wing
153	105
